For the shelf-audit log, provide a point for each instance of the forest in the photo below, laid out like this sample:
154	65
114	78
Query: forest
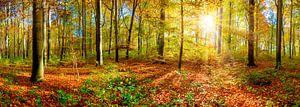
165	53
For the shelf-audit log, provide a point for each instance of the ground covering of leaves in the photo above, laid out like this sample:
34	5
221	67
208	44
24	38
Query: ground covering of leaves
136	82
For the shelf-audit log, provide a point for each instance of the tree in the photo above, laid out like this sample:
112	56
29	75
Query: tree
278	34
111	26
7	34
230	21
37	42
220	29
48	33
161	38
98	34
251	34
181	38
116	31
134	6
140	34
83	30
291	32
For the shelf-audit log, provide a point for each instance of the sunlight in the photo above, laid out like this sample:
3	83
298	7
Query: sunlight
208	23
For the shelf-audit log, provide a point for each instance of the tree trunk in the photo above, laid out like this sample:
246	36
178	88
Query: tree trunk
278	34
116	31
49	33
7	33
64	31
271	41
293	43
134	5
161	37
257	29
216	33
283	40
291	31
111	26
220	29
37	42
83	30
24	34
140	35
251	34
18	39
28	40
230	20
91	32
98	34
181	38
14	42
147	38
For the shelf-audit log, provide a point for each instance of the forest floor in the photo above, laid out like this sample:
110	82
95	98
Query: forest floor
136	82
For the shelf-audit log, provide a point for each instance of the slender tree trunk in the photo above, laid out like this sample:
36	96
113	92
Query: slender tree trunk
271	41
140	35
64	31
18	39
181	38
98	34
291	31
59	36
8	32
257	30
293	43
283	40
216	33
83	30
79	22
116	31
49	33
14	42
220	29
251	34
134	5
278	34
23	33
91	32
229	31
147	38
111	26
38	42
27	39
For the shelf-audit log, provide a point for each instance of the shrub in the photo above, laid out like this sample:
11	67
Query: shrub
261	78
63	97
123	91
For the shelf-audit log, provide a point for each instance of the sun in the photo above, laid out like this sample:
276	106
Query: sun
208	22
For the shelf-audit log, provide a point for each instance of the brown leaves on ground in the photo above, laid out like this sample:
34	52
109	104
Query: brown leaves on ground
214	85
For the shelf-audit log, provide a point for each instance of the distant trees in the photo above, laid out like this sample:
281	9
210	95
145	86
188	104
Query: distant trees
37	42
152	26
